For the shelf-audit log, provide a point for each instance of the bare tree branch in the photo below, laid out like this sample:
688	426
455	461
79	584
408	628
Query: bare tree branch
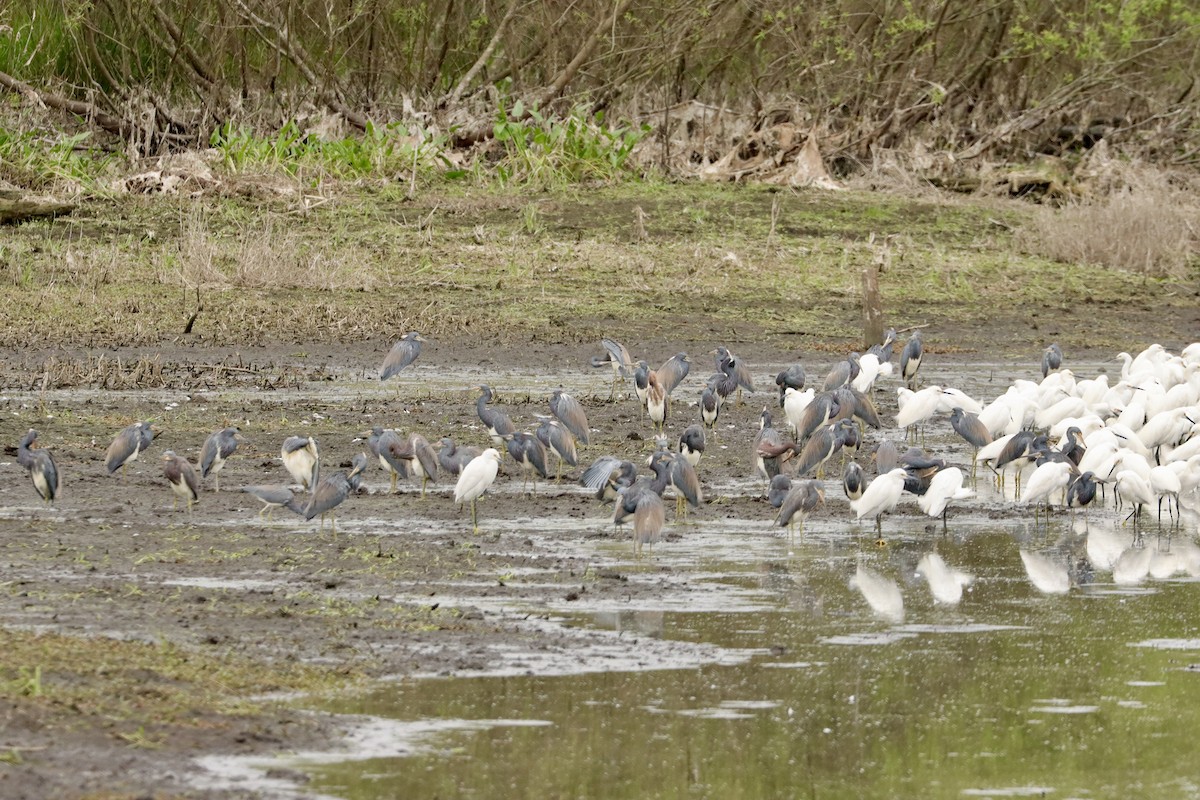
484	57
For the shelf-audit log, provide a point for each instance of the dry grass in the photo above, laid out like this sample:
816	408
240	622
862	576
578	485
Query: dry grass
1149	224
265	254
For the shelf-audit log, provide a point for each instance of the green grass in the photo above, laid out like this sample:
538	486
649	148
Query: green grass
565	265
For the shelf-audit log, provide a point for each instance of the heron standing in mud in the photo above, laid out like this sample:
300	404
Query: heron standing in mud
475	479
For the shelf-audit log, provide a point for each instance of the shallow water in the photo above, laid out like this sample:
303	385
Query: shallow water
1052	676
1011	693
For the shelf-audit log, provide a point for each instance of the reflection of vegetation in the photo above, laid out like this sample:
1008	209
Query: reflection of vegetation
928	716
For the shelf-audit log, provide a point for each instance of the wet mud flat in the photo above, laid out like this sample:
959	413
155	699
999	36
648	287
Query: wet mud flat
404	589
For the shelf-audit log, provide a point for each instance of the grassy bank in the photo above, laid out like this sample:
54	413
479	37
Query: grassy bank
637	260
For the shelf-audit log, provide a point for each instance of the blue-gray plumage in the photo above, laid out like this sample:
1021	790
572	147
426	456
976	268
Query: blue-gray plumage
607	475
822	409
42	469
822	446
682	476
860	405
499	426
691	443
769	446
530	455
968	426
179	473
883	350
1074	448
627	499
301	459
1082	490
673	371
915	459
723	384
424	461
732	366
381	443
1052	358
131	441
710	407
218	447
853	481
887	458
618	358
329	493
404	456
910	359
804	498
453	457
557	440
842	373
778	489
273	497
25	448
570	413
790	378
358	468
403	353
648	520
641	381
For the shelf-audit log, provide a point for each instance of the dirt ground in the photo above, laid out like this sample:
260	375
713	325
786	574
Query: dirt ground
403	589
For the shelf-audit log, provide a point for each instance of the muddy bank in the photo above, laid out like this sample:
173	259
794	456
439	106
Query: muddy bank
403	589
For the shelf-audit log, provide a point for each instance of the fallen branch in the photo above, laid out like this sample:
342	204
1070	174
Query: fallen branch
87	110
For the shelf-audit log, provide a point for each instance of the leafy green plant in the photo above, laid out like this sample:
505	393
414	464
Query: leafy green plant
551	151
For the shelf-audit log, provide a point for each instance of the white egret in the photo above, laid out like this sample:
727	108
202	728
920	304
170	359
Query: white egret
475	479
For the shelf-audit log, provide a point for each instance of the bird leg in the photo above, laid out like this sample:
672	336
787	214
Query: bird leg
216	481
880	541
424	480
474	518
393	486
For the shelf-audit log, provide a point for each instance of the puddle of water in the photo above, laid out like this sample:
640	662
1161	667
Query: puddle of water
999	696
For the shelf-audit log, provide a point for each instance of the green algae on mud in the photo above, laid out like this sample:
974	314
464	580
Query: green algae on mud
755	262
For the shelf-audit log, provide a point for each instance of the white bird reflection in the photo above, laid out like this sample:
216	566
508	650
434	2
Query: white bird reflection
1132	566
1047	575
882	594
1105	545
945	582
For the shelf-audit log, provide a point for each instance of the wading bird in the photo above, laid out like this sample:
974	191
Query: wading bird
570	413
607	476
498	424
910	360
802	499
273	497
179	473
42	469
218	447
129	443
945	486
879	498
475	479
453	457
329	493
616	356
691	444
403	353
301	459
